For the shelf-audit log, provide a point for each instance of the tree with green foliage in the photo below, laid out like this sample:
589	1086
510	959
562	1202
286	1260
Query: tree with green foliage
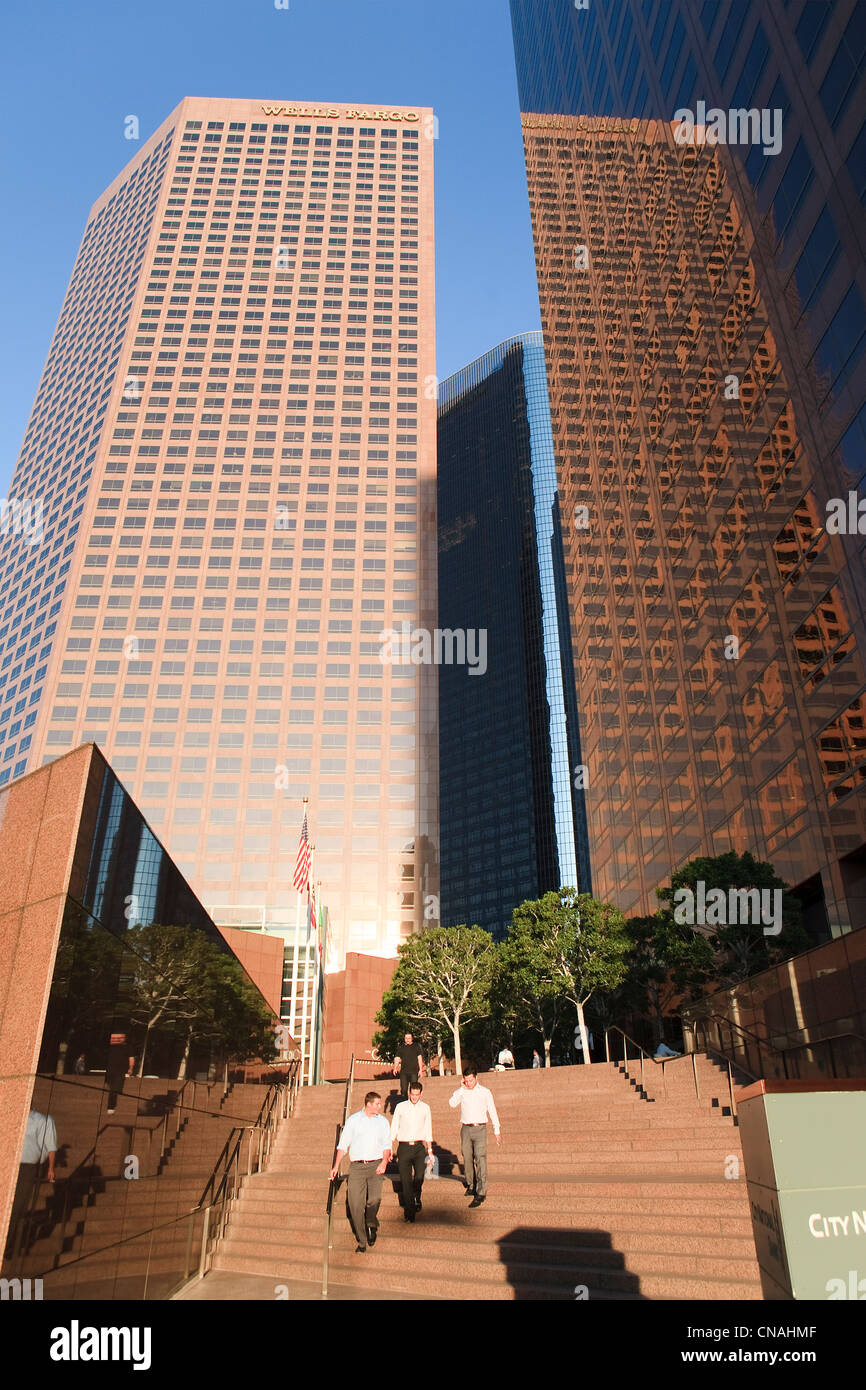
187	985
442	982
563	948
527	989
667	962
592	951
738	949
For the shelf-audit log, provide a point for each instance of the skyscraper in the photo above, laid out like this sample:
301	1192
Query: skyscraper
235	463
513	828
696	176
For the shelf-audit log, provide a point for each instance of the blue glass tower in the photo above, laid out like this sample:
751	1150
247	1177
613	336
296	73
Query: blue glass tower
512	818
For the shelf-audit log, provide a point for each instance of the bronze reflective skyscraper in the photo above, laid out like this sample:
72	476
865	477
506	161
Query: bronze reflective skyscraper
695	191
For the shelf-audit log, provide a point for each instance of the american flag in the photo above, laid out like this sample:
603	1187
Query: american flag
301	880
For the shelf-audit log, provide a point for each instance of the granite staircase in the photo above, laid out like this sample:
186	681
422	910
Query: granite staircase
600	1190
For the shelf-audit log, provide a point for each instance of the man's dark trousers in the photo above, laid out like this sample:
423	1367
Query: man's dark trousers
407	1076
363	1197
410	1161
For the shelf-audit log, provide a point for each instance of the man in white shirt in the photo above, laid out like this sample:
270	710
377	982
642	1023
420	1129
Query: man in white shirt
476	1104
411	1135
366	1138
505	1060
40	1143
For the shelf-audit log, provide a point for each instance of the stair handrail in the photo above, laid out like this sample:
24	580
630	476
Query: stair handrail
662	1062
781	1052
334	1183
266	1123
761	1041
188	1216
274	1107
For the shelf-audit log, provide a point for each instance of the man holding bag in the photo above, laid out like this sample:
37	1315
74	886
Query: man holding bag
411	1137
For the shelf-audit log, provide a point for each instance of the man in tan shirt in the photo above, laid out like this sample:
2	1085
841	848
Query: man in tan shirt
411	1135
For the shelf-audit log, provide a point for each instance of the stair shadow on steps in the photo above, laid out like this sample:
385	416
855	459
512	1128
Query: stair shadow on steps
579	1265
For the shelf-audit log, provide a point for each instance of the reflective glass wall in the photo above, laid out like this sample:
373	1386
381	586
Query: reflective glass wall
806	1017
136	1092
696	179
509	735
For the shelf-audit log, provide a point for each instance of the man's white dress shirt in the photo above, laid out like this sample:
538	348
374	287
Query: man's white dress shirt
475	1106
365	1137
411	1124
40	1138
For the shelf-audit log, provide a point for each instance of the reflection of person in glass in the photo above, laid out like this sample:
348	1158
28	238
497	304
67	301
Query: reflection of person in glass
40	1142
120	1065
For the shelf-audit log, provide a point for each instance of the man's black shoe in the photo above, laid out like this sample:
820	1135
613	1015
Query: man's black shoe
372	1233
418	1205
476	1202
409	1216
360	1249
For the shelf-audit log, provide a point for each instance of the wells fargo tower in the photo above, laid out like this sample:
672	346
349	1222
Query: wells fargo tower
704	315
236	460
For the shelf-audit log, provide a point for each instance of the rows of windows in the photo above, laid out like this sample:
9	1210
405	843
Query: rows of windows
60	442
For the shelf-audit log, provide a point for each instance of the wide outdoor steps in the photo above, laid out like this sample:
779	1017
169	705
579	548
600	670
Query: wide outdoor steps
595	1188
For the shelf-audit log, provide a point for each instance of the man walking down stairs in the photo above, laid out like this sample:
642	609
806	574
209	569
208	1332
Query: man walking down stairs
366	1138
598	1192
476	1108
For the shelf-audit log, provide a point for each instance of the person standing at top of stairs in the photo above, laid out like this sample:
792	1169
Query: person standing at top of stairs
408	1064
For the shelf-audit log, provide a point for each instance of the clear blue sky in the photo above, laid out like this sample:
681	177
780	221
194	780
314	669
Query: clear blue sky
74	69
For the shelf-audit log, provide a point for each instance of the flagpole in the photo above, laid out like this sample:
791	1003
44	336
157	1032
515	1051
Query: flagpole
304	1055
316	1011
292	1009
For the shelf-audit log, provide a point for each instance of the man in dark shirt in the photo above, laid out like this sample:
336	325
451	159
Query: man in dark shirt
120	1065
408	1064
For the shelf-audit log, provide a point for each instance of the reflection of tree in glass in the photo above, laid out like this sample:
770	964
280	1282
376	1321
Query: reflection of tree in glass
184	983
84	983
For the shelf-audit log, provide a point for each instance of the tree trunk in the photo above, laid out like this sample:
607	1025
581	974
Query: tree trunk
656	1013
584	1040
181	1071
439	1055
547	1042
143	1050
458	1059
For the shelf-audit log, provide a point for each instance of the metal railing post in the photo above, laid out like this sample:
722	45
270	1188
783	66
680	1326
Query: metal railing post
731	1089
204	1237
188	1253
334	1183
